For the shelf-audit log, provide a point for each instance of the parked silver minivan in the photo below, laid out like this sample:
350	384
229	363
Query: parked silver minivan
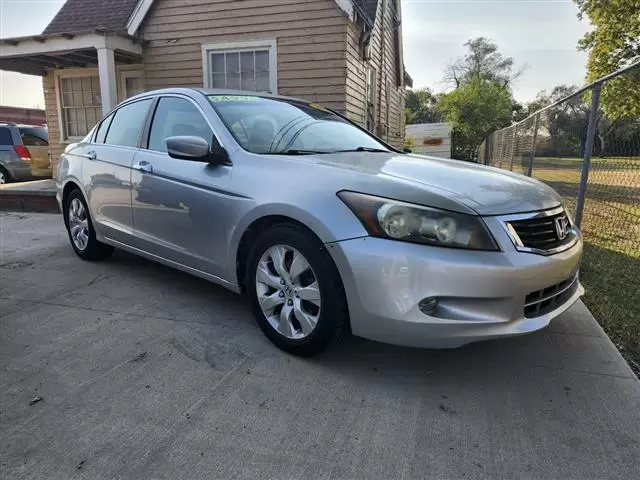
24	152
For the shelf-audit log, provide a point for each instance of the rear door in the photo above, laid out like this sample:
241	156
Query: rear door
36	139
107	170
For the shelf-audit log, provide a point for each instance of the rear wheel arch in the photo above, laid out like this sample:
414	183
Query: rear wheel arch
69	187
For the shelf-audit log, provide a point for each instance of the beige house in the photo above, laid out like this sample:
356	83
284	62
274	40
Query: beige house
344	54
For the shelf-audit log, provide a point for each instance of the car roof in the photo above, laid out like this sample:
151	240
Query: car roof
214	91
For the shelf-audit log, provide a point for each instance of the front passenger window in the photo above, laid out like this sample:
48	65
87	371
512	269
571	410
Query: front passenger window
176	117
127	123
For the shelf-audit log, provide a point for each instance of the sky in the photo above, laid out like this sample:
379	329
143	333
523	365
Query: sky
538	34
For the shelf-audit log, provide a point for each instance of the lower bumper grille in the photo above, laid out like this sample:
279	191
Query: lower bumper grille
543	301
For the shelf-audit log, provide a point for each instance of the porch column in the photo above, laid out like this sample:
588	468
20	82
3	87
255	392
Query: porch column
108	85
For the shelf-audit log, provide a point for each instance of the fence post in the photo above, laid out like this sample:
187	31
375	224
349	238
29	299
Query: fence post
514	139
588	147
534	138
488	152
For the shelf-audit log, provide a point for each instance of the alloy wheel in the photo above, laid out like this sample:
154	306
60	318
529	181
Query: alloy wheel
78	224
3	178
288	292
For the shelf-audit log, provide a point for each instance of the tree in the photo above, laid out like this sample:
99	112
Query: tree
563	127
483	61
421	107
475	109
614	43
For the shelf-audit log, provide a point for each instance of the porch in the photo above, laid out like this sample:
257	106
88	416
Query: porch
84	76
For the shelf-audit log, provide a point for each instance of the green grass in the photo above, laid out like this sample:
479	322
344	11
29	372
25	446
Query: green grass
612	293
611	228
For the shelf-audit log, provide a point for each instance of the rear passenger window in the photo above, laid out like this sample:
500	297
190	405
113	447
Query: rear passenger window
103	128
127	123
5	136
33	141
176	117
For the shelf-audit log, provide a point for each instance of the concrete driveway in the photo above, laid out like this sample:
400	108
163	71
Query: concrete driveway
148	373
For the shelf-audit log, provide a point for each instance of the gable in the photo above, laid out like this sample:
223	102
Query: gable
142	7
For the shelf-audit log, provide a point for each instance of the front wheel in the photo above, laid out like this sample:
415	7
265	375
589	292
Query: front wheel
80	229
295	290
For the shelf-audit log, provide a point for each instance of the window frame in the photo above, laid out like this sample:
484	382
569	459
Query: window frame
58	76
143	127
126	74
236	47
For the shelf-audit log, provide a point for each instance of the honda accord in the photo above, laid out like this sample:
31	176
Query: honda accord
323	226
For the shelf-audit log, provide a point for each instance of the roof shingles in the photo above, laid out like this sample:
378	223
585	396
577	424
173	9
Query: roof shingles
83	15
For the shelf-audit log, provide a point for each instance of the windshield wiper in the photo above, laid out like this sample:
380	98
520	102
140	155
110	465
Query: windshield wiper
364	149
295	152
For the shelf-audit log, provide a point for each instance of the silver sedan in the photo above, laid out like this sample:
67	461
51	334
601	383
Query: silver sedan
323	226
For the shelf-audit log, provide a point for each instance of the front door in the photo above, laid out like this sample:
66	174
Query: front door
180	206
107	170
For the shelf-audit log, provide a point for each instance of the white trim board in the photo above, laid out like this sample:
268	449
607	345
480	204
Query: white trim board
137	16
61	44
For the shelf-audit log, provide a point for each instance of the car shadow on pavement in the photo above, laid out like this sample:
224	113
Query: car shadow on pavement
573	342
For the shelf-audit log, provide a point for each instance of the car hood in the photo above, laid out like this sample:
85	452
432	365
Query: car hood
486	190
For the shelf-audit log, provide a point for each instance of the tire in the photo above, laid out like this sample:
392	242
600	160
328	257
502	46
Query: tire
4	176
331	314
89	249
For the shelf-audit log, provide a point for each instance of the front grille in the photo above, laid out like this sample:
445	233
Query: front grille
541	233
548	299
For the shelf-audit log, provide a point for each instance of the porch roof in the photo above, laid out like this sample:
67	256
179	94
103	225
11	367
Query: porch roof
34	54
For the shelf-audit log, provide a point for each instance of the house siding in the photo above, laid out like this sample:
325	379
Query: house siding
389	97
310	36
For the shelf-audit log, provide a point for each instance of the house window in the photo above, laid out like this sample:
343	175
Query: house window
81	104
241	66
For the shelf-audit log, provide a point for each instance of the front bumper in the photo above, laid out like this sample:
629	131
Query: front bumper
481	295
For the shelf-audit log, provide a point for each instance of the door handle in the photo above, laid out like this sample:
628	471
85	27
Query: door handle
91	155
144	166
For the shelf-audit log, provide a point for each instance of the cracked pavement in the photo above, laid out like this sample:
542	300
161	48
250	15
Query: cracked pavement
148	373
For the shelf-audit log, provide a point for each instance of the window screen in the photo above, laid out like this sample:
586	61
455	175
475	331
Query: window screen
81	104
240	70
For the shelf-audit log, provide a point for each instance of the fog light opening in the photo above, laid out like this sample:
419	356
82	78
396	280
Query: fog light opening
428	305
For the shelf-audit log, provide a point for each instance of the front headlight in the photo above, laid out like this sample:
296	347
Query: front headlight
386	218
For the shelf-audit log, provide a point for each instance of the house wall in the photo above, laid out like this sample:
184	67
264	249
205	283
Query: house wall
310	35
389	97
56	147
30	116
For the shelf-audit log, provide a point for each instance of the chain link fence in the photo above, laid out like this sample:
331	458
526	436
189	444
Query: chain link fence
589	152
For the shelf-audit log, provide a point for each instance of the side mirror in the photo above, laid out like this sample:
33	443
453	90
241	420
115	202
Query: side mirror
196	149
406	150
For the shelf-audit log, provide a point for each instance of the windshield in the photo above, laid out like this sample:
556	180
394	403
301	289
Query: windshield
279	126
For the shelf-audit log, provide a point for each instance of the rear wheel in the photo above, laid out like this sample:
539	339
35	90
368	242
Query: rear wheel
295	290
4	176
80	229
